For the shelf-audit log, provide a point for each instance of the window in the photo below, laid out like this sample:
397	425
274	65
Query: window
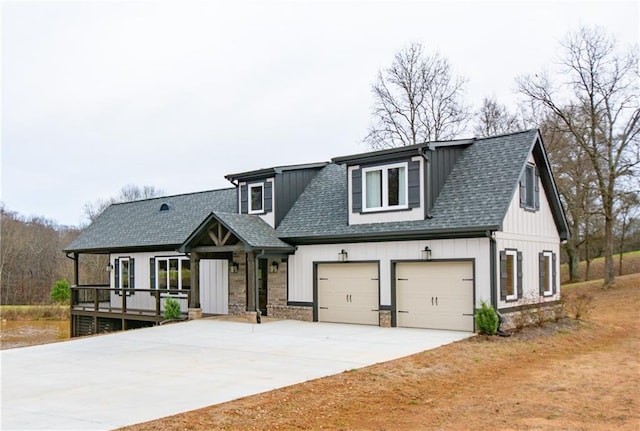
124	274
547	273
385	188
256	198
173	273
510	275
529	189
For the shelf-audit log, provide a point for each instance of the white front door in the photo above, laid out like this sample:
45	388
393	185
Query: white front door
214	286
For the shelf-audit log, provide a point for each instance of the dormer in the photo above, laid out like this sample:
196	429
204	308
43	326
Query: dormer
399	184
270	193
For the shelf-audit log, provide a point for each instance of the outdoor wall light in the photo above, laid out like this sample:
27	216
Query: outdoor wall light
426	253
342	256
109	268
233	267
274	267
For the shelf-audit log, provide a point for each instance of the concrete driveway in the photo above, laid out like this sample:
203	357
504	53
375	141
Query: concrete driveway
109	381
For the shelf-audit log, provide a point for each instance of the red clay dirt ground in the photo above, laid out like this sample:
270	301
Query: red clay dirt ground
565	375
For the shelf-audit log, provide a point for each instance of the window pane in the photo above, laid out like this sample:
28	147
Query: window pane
547	273
124	274
510	274
256	199
186	274
374	189
162	274
173	273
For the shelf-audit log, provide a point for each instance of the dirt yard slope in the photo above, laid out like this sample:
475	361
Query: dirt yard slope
564	376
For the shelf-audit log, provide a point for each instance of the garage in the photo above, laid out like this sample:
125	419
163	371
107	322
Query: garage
348	292
435	295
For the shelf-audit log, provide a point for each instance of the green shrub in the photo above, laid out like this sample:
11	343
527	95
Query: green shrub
171	309
61	291
486	319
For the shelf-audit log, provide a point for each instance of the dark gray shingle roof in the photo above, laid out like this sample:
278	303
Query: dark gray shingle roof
252	230
142	224
476	195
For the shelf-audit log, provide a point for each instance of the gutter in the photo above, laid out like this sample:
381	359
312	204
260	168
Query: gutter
493	279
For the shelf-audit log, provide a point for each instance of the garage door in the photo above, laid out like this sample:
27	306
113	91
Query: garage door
436	295
348	293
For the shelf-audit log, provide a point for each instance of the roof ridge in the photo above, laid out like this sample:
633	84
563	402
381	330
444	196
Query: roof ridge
173	196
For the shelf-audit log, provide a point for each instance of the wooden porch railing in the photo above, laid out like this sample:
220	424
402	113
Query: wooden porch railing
133	302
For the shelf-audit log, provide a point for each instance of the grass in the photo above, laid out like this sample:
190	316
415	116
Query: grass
34	312
630	265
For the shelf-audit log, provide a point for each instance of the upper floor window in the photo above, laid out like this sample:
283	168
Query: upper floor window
256	198
385	187
529	189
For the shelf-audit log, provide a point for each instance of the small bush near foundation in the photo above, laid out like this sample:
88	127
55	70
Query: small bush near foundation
579	305
486	319
171	309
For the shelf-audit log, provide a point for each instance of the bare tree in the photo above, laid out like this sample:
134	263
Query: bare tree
601	110
416	100
494	118
127	193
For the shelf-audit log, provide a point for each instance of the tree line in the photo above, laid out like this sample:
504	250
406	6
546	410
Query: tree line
588	111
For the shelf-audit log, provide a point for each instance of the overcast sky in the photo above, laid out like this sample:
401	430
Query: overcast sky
175	94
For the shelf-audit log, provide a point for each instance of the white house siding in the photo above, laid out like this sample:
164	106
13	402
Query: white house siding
530	232
300	283
387	216
213	270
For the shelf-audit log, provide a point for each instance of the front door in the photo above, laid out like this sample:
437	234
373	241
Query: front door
262	286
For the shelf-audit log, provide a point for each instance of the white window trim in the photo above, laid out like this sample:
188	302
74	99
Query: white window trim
120	277
530	170
157	269
249	200
385	188
548	291
513	275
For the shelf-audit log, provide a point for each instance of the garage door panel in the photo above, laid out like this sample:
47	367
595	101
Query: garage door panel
435	295
348	293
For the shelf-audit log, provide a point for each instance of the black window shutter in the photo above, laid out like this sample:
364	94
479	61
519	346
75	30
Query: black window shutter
503	275
356	190
537	190
541	275
244	196
132	273
554	273
413	181
268	199
523	189
116	269
519	286
152	274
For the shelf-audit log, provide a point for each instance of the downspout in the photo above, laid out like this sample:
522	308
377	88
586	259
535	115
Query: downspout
257	287
492	272
427	181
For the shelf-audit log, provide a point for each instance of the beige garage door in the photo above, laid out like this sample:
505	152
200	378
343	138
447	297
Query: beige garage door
348	293
437	295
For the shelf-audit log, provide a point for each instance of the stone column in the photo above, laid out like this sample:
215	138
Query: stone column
195	312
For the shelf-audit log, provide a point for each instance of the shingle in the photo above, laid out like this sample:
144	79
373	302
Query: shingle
252	230
476	194
142	224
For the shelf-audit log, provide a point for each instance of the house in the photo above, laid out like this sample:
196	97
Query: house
415	236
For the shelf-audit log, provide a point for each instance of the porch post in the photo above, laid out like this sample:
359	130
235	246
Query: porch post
195	312
76	269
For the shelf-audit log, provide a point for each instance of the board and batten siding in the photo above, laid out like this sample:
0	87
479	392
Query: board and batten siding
300	282
213	283
414	213
269	202
530	232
